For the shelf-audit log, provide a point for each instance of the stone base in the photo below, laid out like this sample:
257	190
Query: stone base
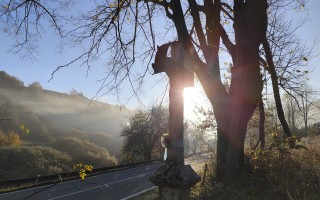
166	193
174	181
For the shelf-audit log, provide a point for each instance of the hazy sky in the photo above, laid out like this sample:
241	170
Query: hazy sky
76	77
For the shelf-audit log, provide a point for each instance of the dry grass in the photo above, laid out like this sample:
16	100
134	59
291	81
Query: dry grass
277	174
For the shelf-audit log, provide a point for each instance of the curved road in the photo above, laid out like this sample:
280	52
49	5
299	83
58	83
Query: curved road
113	185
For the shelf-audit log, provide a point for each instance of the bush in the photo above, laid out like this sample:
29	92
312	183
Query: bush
84	151
275	174
24	162
11	139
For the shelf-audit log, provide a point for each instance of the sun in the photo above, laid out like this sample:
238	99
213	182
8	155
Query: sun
192	97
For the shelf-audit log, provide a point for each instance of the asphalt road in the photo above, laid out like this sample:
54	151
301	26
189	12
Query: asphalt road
108	186
113	185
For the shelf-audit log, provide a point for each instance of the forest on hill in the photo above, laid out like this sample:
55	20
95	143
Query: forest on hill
45	132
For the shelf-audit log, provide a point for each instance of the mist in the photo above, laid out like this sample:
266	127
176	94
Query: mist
67	111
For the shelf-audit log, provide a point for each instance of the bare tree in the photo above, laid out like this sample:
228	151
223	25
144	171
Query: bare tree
25	21
307	99
292	111
111	30
284	56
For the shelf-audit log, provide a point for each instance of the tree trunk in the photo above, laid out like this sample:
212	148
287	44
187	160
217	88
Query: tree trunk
250	25
261	124
305	111
232	110
222	148
275	87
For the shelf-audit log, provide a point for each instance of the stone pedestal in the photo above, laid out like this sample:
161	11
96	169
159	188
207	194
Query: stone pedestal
174	181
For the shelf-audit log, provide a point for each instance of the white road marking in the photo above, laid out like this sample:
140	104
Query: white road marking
98	186
91	177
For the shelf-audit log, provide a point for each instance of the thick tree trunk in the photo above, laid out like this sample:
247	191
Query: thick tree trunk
250	24
222	148
236	137
232	110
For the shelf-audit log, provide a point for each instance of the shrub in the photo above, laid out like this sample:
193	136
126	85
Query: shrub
24	162
276	173
10	139
84	151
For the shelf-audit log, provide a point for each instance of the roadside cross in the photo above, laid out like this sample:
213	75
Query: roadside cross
174	178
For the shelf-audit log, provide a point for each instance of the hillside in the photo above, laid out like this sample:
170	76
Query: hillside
65	129
66	111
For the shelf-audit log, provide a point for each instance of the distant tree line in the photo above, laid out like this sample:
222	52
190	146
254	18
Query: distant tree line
10	81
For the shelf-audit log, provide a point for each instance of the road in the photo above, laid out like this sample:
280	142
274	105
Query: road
112	185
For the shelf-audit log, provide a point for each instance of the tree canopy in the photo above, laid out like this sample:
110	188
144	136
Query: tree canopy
142	134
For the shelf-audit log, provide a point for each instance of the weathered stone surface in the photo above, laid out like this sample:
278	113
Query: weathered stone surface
175	176
166	193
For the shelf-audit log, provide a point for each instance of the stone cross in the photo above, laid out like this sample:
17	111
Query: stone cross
174	178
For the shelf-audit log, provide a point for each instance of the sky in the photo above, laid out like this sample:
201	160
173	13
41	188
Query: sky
76	77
